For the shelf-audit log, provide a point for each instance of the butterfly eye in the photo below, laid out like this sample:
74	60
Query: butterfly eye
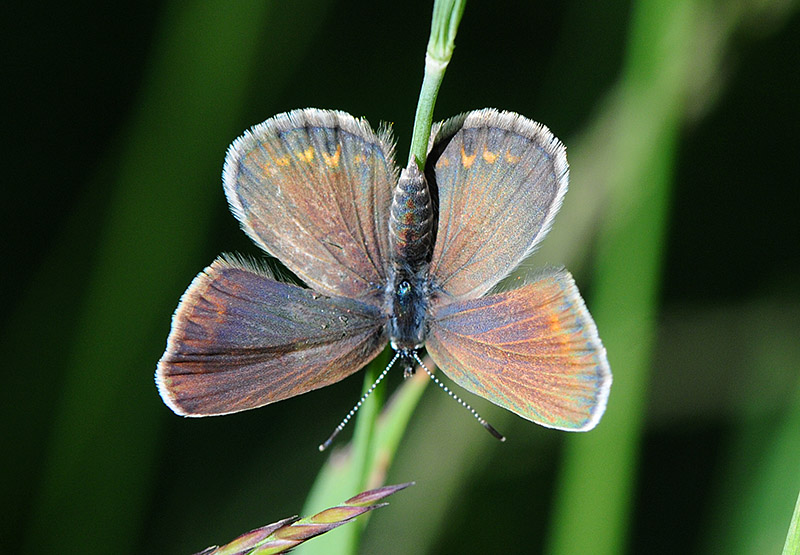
403	288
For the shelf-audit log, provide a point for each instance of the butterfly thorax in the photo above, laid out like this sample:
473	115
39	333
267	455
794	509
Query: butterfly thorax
410	239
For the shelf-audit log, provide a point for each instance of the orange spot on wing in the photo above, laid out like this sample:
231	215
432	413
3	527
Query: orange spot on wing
283	161
332	160
467	160
307	155
510	158
554	323
490	156
266	167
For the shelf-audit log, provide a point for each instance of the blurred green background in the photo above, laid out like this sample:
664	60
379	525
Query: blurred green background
681	121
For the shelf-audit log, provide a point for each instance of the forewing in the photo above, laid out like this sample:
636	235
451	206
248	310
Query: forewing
313	188
240	340
533	350
500	179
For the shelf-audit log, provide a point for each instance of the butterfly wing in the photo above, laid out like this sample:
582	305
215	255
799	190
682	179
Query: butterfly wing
313	188
500	180
241	339
533	350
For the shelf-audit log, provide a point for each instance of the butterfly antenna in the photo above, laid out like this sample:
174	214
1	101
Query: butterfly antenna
354	410
463	403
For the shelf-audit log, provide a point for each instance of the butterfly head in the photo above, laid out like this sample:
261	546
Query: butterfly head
406	303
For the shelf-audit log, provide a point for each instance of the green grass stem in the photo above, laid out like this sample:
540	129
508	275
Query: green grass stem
599	470
444	26
365	462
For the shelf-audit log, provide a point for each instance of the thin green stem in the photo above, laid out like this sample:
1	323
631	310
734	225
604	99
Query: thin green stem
792	544
444	25
597	481
364	446
369	457
347	470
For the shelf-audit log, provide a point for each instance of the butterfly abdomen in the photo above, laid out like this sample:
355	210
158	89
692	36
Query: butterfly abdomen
411	242
411	219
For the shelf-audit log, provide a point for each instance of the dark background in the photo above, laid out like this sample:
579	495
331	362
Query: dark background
113	202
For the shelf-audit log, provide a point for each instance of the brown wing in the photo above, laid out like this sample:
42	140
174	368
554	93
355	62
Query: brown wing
313	188
500	180
533	350
240	340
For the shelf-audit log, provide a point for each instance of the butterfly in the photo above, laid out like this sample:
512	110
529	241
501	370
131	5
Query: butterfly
411	258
